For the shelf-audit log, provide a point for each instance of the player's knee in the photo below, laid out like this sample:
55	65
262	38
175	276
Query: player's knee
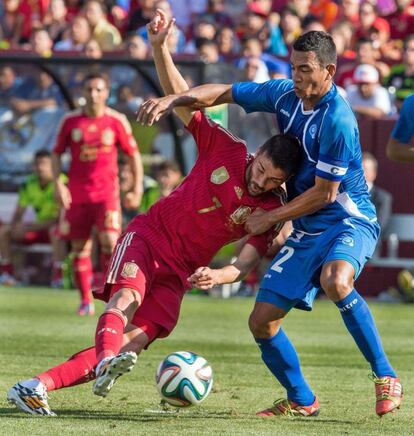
125	300
260	328
336	285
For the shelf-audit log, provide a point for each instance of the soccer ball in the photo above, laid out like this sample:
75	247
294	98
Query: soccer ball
184	379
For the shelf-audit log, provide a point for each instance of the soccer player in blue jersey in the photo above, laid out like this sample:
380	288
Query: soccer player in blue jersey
398	147
335	227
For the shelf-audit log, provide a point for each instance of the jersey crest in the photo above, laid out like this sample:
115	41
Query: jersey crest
240	215
219	176
76	134
129	270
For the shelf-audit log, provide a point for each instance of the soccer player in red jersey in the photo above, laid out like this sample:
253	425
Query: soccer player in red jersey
154	259
91	198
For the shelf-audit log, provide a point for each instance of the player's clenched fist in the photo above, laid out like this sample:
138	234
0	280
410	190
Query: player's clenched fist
204	278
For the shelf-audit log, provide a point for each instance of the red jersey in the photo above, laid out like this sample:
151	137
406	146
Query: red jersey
92	142
210	207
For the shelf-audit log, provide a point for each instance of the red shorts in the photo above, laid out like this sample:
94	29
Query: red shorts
136	265
77	221
35	237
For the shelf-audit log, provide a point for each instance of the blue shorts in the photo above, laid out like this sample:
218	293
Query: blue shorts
293	278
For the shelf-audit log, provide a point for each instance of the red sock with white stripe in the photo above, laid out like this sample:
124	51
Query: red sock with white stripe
76	370
109	334
82	268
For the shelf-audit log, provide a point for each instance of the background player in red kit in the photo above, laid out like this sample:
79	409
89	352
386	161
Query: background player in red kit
92	135
160	250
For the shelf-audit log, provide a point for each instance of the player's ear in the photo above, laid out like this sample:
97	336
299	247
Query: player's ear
331	68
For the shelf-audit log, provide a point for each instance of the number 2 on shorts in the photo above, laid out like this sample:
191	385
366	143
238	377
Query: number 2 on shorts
289	253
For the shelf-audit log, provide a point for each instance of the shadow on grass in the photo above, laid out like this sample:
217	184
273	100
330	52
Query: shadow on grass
157	416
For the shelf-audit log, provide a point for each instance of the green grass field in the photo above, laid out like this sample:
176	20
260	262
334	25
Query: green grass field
39	328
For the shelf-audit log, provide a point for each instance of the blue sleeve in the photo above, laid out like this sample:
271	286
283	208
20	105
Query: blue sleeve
338	140
404	129
260	97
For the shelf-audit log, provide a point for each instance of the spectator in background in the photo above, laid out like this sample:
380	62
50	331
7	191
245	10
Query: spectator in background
277	68
402	20
342	34
127	102
227	42
367	97
290	25
10	85
42	93
141	16
167	176
381	198
204	28
365	54
11	23
207	50
36	192
107	35
312	24
91	198
79	35
93	49
349	11
372	26
216	8
186	11
41	43
325	11
255	70
302	8
74	7
55	20
268	33
34	13
400	82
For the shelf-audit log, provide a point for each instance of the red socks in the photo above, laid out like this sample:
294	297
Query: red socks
109	334
82	268
78	369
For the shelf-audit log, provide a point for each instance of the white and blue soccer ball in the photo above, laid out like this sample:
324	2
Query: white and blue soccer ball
184	379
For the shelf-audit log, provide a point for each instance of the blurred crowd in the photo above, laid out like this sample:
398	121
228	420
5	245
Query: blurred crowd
374	38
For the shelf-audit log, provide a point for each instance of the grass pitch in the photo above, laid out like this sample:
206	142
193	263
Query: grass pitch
39	328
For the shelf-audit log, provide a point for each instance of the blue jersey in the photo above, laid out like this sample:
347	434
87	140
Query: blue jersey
330	139
404	129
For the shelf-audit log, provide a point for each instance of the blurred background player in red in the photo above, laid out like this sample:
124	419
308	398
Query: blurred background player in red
91	198
36	192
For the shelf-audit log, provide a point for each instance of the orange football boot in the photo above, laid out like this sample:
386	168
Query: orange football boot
289	408
389	392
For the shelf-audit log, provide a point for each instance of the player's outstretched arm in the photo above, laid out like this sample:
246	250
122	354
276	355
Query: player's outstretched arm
172	82
205	278
399	152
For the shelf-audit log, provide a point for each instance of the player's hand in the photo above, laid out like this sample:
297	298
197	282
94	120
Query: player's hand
204	278
132	200
159	28
258	222
155	108
62	195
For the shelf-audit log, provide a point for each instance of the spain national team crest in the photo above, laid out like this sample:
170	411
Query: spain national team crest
219	176
129	270
76	134
240	215
108	137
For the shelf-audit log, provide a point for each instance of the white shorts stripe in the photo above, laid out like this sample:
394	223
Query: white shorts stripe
118	256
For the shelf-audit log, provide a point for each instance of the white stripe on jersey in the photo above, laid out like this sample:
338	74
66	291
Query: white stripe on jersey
351	208
331	169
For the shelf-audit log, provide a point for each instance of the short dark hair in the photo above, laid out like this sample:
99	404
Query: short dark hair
40	154
93	76
167	165
321	43
285	151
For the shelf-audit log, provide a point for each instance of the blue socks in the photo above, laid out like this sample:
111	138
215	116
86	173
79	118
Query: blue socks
360	323
280	357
